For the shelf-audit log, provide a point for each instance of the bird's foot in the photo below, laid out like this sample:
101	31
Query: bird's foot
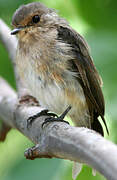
45	112
60	118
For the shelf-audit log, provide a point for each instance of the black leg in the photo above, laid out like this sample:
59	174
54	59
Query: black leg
60	118
45	112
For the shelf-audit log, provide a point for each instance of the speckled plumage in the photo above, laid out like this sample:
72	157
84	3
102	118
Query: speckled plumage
54	62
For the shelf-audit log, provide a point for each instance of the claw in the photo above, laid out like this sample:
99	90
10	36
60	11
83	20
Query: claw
60	118
31	119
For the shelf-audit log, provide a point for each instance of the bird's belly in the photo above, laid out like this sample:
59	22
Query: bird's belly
49	95
52	98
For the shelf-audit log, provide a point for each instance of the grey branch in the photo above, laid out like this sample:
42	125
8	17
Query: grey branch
56	139
10	43
5	37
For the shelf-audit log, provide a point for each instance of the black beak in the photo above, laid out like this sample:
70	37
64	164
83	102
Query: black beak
16	30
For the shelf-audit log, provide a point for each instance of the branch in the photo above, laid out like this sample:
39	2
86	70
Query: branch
10	43
5	37
57	139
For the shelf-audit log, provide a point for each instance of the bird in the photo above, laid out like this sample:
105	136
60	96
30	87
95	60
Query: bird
54	62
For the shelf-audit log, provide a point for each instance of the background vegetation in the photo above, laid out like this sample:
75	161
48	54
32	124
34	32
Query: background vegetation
96	20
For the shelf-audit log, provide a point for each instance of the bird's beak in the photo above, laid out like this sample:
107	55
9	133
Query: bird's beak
16	30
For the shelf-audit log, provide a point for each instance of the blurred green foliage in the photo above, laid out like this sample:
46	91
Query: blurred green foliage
96	20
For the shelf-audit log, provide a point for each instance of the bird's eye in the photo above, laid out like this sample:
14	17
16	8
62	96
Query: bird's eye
35	19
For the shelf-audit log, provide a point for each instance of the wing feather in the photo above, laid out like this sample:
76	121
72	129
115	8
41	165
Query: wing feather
88	75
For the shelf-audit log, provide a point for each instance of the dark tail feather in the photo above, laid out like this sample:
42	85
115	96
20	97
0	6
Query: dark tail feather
96	126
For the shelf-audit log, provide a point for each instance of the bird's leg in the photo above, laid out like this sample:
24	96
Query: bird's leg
60	118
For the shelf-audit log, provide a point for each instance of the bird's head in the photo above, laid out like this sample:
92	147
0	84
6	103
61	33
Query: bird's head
33	18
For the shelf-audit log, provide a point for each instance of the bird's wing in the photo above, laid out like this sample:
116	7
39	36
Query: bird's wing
88	75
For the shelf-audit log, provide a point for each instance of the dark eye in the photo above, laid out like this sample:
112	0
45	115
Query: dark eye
36	19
